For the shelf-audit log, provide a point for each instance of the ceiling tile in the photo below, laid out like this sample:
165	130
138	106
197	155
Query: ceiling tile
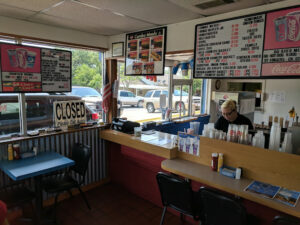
33	5
15	12
79	13
160	12
237	5
78	25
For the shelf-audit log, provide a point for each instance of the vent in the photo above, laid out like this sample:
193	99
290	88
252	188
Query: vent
213	3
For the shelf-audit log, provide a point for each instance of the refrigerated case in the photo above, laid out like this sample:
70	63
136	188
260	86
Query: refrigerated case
245	103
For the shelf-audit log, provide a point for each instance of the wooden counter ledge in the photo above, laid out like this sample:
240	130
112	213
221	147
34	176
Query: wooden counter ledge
159	143
203	174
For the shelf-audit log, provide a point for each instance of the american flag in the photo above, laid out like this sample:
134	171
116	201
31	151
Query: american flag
106	94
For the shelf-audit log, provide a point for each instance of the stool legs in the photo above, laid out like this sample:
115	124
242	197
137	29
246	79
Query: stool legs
163	215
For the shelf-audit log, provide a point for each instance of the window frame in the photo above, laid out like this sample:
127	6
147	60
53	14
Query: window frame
30	41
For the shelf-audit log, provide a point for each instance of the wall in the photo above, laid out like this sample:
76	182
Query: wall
180	36
290	87
24	28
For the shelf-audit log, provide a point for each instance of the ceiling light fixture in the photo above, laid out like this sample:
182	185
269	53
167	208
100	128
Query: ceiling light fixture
91	6
118	14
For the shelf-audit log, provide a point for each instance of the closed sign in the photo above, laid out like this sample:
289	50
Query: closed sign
69	113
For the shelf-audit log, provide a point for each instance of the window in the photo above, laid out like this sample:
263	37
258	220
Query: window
38	112
140	105
148	94
85	92
86	72
130	94
156	94
165	93
124	94
9	115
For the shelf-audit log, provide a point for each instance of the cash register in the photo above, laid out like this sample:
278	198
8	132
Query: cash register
124	125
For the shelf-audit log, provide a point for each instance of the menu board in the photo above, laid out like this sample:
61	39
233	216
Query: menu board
56	70
145	52
29	69
264	45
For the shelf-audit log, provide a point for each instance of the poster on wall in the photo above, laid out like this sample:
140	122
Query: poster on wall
253	46
30	69
20	69
145	52
282	43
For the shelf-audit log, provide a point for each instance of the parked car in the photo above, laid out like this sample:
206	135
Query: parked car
91	96
151	100
39	111
128	98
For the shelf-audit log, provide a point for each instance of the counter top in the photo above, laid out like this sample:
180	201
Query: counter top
203	174
157	143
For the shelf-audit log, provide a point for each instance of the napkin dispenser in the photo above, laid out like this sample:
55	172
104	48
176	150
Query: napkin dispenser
124	125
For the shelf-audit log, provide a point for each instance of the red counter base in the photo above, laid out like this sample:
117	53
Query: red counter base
136	171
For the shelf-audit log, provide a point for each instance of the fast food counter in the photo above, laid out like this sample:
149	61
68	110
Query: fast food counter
156	143
134	163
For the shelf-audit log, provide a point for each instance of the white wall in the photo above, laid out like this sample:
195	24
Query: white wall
290	88
24	28
180	36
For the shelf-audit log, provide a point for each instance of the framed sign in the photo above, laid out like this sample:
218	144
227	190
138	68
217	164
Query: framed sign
145	52
117	49
30	69
264	45
69	112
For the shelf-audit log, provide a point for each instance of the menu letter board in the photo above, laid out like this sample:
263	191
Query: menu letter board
29	69
56	70
254	46
145	52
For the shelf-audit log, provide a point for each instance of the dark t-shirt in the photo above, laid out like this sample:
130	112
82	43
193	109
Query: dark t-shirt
222	123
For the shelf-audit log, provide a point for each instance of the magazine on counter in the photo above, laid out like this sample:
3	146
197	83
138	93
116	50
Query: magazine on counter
288	197
263	189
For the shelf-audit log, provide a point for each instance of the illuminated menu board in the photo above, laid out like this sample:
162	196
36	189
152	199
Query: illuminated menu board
29	69
263	45
145	52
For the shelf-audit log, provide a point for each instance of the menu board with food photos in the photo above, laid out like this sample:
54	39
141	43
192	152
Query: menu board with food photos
145	52
30	69
264	45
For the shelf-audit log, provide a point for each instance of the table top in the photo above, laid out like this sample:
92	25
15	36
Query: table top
44	162
204	175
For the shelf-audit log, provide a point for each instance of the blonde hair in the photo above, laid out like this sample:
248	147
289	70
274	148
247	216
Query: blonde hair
229	104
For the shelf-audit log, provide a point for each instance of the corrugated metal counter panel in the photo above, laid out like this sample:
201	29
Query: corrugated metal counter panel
62	143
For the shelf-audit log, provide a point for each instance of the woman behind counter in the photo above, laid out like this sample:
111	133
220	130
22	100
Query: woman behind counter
230	115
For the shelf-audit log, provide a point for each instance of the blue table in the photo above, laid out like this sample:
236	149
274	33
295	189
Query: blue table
43	163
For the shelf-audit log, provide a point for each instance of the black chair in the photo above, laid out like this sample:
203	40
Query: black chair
285	220
18	195
81	154
220	209
177	194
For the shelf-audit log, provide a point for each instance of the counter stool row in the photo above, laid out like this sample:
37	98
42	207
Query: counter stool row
208	206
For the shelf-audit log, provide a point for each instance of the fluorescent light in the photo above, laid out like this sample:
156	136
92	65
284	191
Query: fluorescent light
118	14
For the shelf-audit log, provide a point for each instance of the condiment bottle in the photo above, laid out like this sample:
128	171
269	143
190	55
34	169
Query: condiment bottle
220	161
10	152
238	173
16	149
214	161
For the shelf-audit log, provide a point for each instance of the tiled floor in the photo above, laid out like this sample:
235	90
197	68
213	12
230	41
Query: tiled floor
111	205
